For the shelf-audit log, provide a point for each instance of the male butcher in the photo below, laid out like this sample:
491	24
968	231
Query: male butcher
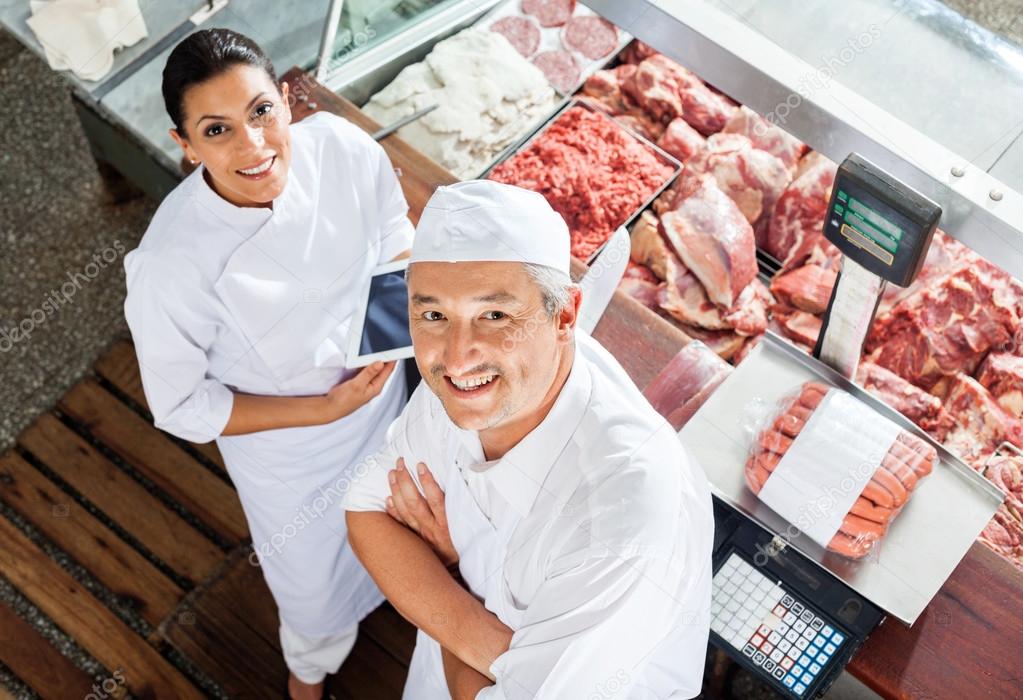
531	514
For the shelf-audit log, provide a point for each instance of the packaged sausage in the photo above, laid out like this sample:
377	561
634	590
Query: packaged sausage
835	468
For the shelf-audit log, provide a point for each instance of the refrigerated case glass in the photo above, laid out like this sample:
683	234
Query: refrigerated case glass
926	64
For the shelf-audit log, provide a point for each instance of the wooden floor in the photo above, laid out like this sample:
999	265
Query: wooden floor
156	522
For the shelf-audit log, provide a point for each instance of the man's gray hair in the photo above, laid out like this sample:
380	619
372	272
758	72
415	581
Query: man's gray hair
555	287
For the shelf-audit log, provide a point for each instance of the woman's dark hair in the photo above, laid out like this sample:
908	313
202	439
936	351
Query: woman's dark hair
204	55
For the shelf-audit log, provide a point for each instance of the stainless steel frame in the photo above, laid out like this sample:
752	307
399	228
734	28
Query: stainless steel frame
978	209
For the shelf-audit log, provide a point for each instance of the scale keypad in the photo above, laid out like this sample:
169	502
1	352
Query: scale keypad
771	626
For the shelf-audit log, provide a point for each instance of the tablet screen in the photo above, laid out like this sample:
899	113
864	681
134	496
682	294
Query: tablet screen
385	326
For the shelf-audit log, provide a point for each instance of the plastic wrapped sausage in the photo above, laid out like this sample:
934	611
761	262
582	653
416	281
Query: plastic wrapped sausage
823	448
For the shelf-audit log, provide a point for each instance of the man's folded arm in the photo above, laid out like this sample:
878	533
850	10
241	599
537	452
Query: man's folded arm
420	588
589	628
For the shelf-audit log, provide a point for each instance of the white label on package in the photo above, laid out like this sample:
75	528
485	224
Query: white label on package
829	463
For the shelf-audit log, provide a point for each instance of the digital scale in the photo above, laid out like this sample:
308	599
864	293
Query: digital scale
883	228
783	607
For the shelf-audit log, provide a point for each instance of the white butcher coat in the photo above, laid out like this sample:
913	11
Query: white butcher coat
224	298
591	539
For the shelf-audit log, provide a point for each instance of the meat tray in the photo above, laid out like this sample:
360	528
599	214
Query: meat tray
550	39
923	545
525	142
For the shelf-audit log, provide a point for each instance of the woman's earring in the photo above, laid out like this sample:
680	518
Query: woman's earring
194	162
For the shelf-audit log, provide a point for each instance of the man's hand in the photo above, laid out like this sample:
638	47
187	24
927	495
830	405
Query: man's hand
424	516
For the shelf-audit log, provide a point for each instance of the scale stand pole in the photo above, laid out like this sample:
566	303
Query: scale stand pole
847	321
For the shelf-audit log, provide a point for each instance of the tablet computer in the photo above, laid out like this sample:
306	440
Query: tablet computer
380	326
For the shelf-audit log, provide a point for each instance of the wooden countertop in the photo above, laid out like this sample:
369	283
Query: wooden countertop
967	643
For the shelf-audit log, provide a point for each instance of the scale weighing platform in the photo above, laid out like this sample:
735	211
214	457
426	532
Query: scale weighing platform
783	606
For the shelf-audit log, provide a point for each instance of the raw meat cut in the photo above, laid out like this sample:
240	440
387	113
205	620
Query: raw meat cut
593	172
648	246
654	86
551	13
686	382
746	349
798	326
637	52
944	254
643	291
594	37
522	32
914	403
1004	534
754	179
766	136
906	461
749	314
946	326
725	344
604	87
638	121
560	68
981	425
640	272
712	238
705	109
797	218
1001	373
681	140
807	288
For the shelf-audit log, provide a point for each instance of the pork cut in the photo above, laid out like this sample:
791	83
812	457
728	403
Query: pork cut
754	179
655	87
766	136
1004	533
713	239
914	403
686	382
946	326
980	424
807	288
797	219
1001	373
681	140
648	246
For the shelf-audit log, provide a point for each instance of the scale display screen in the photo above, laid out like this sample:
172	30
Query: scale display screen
879	222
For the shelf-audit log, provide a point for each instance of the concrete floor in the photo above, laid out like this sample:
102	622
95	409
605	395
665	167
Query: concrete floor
54	218
57	224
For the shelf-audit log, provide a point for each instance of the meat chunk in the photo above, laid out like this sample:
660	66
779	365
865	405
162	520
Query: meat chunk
797	218
1004	534
681	140
712	238
766	136
748	316
604	88
637	52
754	179
684	298
806	288
705	109
944	255
648	245
725	344
947	326
686	382
1001	373
914	403
642	290
799	326
655	87
980	424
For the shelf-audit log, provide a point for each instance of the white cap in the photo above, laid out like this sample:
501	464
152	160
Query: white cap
482	220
